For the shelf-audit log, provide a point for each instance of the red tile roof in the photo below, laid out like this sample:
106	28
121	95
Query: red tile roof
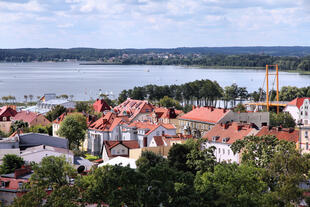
132	108
130	144
7	111
27	116
206	114
106	123
63	116
166	113
150	126
234	131
14	179
297	102
159	140
101	106
287	134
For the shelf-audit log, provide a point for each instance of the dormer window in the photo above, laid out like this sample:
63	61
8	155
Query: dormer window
225	140
4	118
214	138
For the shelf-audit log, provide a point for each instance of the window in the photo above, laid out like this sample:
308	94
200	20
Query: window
228	151
123	151
223	151
20	185
4	119
219	151
307	146
113	151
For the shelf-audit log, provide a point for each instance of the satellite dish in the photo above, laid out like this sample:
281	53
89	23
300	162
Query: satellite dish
81	169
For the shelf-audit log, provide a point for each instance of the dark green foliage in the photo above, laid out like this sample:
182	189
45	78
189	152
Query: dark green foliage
19	125
10	163
55	113
82	107
282	119
169	102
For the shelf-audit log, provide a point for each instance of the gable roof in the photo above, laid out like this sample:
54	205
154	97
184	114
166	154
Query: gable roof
150	126
132	108
298	102
205	114
166	113
233	131
130	144
27	116
101	106
287	134
7	111
106	123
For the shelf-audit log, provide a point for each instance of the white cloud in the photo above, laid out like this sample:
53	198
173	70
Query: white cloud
31	6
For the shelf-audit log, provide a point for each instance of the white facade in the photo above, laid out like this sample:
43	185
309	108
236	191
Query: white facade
223	152
157	132
118	150
300	114
294	111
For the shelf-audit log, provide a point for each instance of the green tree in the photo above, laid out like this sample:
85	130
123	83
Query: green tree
73	127
282	119
82	106
177	157
169	102
19	125
240	108
55	113
10	163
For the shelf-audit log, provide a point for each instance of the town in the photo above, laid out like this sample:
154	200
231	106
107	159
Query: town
138	135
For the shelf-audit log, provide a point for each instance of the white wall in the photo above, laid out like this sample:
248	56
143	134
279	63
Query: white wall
222	152
294	111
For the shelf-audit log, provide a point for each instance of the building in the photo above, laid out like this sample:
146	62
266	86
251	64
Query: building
134	109
36	154
166	116
120	161
11	185
6	115
299	108
101	106
106	128
48	102
304	139
145	131
168	140
112	149
200	120
35	139
287	134
31	118
222	136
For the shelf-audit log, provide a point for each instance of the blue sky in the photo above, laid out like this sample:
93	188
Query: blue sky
153	23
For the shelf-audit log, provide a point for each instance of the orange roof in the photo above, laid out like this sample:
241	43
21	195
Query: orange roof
159	140
106	123
287	134
206	114
233	131
297	102
132	108
150	126
165	113
101	106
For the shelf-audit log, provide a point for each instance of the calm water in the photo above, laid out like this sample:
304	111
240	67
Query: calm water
85	81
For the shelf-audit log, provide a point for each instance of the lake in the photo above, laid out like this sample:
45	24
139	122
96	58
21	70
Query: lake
85	81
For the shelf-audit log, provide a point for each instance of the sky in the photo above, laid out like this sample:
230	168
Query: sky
153	23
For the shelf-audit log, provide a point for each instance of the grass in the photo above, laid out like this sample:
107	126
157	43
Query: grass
91	157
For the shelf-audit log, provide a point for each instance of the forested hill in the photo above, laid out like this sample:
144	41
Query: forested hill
30	54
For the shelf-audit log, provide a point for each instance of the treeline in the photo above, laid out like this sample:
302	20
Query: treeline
208	93
190	176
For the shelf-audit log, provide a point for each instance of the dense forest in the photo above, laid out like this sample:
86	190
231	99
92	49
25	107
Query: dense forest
288	58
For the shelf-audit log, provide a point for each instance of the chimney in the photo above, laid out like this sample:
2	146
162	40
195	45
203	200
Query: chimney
22	171
97	99
224	110
279	128
291	130
239	127
226	125
212	108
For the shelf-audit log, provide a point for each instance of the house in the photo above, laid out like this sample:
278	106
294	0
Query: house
6	115
166	116
101	106
287	134
201	119
168	140
299	108
31	118
48	102
104	129
222	136
113	149
35	139
11	185
304	139
145	131
37	153
134	109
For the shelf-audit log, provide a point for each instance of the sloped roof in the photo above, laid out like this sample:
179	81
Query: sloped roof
150	126
133	107
27	116
159	140
101	106
7	111
287	134
36	139
106	123
297	102
130	144
205	114
166	113
234	131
